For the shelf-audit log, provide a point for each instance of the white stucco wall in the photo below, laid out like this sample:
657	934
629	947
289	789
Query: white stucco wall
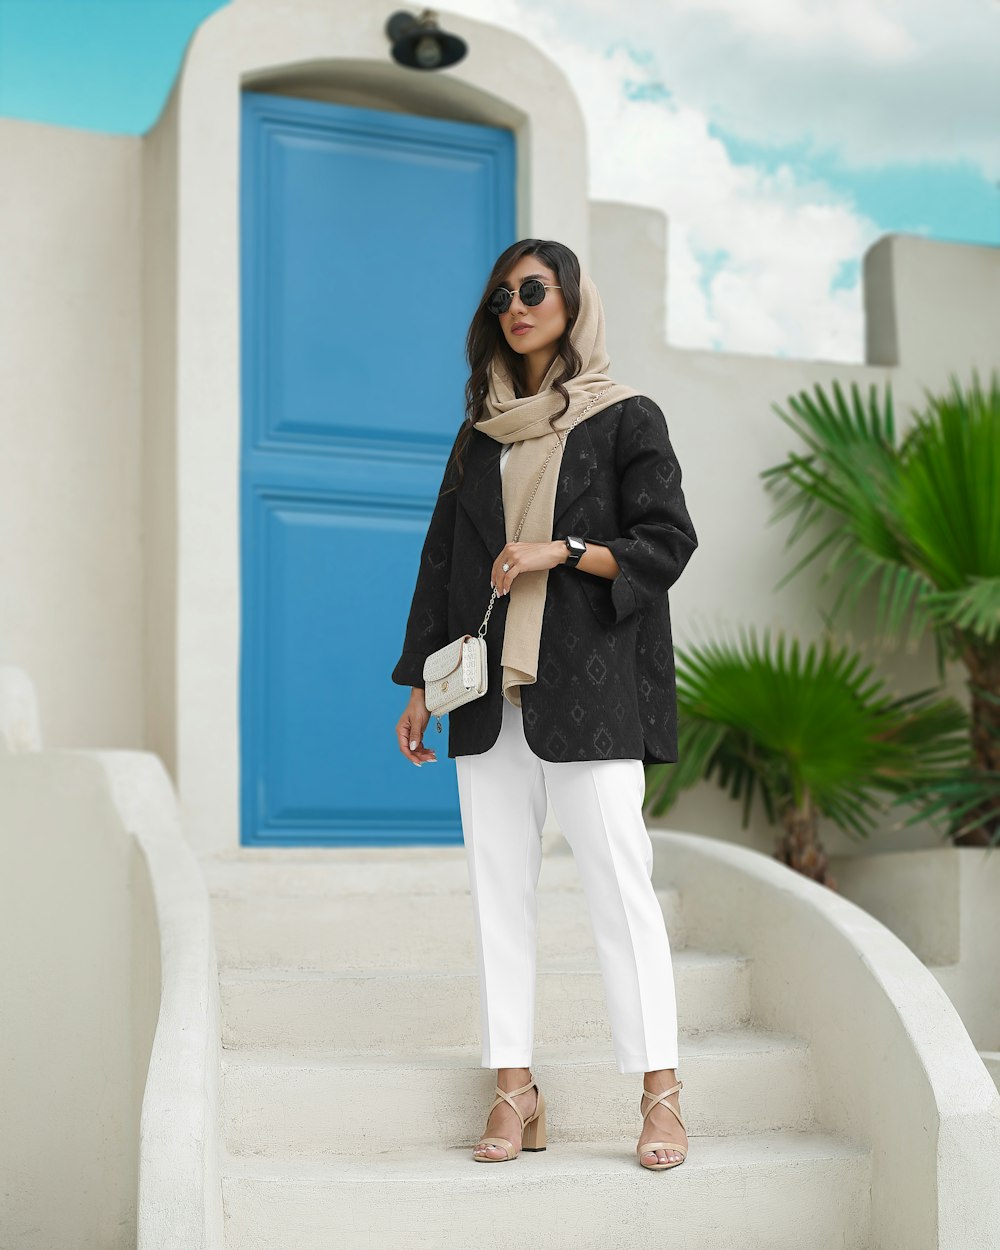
943	905
158	472
119	364
70	565
80	998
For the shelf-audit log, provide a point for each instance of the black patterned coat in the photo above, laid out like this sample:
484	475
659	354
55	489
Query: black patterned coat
605	687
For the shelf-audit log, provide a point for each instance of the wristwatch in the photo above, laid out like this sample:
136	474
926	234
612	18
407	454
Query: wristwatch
576	547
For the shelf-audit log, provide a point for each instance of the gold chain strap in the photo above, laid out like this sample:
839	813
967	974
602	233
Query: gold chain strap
517	533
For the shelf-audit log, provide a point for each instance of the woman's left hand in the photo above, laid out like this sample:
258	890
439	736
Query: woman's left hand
525	558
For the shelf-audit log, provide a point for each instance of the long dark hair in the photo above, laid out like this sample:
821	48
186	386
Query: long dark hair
485	337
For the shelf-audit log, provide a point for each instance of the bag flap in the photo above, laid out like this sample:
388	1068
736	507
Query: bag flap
440	663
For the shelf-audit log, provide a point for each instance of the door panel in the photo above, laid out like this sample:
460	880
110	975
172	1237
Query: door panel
366	236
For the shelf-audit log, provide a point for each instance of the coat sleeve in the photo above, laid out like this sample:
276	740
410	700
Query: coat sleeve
427	624
657	537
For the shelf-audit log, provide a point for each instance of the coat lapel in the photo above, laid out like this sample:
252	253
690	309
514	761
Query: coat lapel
480	492
578	464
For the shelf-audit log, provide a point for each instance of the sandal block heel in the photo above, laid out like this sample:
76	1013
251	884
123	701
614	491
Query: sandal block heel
533	1136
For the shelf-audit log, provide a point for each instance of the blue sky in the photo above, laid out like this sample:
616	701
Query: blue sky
781	138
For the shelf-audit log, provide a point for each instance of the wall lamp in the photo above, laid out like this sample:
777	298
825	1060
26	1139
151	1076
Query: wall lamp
419	43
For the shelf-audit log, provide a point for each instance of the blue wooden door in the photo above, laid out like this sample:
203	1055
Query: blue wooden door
366	236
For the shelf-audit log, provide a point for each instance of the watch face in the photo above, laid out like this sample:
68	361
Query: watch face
577	545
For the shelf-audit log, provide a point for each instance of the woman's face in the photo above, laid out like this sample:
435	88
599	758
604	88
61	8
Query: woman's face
546	320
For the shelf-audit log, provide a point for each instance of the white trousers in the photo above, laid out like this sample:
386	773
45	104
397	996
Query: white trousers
598	804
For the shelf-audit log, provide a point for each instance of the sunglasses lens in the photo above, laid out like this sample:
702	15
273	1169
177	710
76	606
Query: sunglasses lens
532	292
499	301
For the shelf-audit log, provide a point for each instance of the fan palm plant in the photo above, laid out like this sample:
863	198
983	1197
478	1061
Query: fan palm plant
813	732
919	518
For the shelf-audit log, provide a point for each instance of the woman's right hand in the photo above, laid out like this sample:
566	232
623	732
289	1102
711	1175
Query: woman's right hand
410	728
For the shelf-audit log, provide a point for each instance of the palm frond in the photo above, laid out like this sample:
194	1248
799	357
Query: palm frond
974	607
947	498
921	519
953	797
778	719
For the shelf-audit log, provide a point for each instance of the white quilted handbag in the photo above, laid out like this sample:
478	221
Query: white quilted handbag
456	673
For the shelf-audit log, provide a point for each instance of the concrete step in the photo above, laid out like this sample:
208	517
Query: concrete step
387	1010
329	872
779	1190
359	932
285	1103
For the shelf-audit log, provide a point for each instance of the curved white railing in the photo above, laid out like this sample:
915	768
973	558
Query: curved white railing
895	1066
174	972
180	1188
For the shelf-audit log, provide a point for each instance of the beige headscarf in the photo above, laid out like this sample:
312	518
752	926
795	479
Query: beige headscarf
524	422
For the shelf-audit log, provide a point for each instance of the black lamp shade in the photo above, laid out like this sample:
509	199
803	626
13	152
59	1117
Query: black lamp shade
419	43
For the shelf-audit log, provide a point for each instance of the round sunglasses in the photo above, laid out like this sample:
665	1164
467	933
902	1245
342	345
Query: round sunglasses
531	291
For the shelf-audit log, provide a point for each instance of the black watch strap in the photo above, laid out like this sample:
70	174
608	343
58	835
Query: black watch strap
576	547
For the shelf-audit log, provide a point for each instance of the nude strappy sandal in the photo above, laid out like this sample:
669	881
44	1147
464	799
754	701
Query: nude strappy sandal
662	1145
532	1128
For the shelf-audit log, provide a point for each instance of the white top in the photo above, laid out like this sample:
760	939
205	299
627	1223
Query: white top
503	456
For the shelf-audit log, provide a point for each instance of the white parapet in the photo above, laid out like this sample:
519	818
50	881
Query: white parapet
895	1065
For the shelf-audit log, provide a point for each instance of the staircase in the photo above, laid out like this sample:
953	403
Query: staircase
352	1092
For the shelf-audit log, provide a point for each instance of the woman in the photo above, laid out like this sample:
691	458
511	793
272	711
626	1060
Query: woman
580	669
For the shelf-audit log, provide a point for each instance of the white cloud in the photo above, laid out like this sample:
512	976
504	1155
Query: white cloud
877	81
782	244
800	25
753	256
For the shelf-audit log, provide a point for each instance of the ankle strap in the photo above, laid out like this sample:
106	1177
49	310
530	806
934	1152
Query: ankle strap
507	1095
511	1092
653	1094
658	1098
